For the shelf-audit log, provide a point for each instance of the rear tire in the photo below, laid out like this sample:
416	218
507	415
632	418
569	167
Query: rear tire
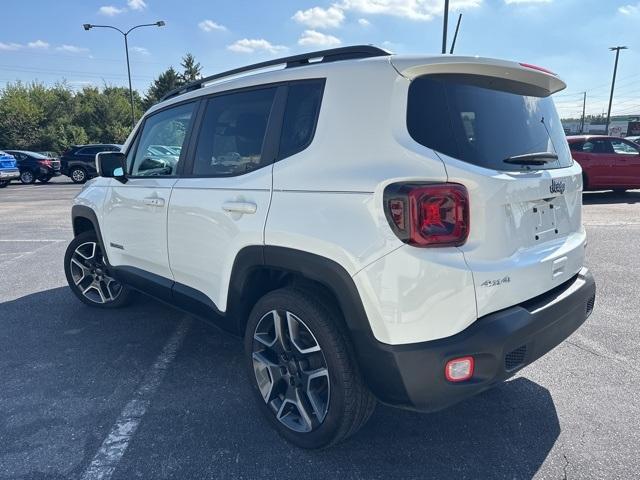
45	179
78	175
305	378
88	275
27	177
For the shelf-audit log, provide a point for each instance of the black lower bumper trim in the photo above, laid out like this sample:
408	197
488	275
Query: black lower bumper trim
412	376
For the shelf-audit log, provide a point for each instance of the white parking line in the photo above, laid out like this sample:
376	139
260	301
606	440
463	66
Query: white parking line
8	240
115	445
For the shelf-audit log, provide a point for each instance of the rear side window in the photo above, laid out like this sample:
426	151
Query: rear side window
232	133
90	150
483	121
300	117
576	146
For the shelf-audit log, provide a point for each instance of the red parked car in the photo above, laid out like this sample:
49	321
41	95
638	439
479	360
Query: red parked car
608	163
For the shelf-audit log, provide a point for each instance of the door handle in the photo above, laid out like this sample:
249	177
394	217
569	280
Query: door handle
154	201
239	207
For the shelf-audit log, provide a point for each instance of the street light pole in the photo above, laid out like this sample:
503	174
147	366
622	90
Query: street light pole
613	85
160	23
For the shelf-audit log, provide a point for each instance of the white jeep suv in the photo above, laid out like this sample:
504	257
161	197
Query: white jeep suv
397	228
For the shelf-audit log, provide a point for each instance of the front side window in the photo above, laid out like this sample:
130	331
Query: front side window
624	148
166	128
232	133
484	120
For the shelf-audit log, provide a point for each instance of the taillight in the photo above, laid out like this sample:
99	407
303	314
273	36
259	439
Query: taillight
428	215
46	163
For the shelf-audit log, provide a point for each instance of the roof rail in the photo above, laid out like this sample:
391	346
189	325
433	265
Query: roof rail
331	55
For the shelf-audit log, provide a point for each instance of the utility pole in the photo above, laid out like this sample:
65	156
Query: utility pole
613	85
455	35
584	107
444	26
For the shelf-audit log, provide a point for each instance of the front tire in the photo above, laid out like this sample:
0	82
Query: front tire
4	183
303	371
78	175
27	177
88	275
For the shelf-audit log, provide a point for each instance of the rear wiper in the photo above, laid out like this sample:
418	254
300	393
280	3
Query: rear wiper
539	158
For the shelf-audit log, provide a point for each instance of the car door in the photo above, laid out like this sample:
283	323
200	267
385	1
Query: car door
625	163
135	212
596	159
221	207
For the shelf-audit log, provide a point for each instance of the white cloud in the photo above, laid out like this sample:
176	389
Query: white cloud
318	39
71	49
140	50
38	44
210	25
411	9
318	17
630	9
10	46
364	22
110	10
520	2
137	4
247	45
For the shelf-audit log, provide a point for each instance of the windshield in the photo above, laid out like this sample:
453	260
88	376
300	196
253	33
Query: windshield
485	121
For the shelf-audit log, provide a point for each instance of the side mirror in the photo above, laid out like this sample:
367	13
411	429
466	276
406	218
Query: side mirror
112	165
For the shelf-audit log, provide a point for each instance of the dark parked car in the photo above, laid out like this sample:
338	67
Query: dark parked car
8	169
79	161
34	166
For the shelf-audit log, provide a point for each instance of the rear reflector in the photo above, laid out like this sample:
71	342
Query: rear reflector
459	369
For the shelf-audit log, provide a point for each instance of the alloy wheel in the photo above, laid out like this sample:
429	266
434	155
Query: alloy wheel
78	175
291	371
90	276
26	177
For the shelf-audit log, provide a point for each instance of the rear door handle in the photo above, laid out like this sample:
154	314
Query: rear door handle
239	207
154	201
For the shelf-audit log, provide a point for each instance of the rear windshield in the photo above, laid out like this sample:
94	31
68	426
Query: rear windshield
484	120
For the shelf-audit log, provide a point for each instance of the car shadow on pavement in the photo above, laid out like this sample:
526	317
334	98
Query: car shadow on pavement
607	197
203	422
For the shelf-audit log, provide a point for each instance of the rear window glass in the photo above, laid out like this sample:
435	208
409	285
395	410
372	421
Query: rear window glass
483	121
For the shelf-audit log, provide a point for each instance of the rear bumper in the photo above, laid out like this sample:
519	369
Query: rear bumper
412	375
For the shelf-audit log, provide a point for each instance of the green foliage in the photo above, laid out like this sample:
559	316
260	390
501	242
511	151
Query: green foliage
191	70
37	117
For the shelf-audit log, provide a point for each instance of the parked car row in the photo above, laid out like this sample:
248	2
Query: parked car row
78	163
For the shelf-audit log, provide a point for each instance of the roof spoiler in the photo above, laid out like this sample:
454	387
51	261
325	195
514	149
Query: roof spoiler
415	66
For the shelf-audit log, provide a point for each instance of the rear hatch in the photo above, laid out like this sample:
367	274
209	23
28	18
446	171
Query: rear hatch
496	129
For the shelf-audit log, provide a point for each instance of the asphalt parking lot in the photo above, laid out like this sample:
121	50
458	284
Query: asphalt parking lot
68	374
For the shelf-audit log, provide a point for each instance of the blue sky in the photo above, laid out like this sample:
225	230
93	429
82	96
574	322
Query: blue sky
44	39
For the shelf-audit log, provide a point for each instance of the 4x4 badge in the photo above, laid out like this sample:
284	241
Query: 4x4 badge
557	186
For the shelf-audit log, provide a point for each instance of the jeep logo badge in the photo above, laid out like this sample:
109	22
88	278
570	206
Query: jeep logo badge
557	186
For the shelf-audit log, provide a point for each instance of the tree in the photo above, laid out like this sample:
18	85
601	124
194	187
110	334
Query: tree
192	70
166	81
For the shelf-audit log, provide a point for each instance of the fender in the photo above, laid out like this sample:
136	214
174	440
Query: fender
372	356
86	213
